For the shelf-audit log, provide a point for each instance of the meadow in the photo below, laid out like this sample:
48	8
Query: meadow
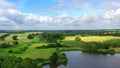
34	53
21	38
46	47
31	52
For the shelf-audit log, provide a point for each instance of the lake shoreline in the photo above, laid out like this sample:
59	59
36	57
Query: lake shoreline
81	56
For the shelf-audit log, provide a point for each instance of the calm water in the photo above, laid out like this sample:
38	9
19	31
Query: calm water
77	59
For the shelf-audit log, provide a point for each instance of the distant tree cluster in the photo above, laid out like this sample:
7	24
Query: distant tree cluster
51	36
91	32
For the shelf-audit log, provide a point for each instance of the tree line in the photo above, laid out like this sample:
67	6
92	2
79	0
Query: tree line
51	36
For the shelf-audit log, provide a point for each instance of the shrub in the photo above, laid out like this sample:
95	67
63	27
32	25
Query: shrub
10	51
77	39
15	37
15	43
31	36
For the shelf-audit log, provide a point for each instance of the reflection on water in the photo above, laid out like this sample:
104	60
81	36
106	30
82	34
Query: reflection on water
77	59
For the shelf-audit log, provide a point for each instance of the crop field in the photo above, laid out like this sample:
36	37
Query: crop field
92	38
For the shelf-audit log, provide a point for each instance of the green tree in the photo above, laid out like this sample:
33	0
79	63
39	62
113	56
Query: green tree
77	39
54	58
31	36
51	36
15	37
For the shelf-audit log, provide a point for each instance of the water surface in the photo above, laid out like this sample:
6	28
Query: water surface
78	59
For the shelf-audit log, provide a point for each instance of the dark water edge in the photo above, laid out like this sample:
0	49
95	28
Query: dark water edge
78	59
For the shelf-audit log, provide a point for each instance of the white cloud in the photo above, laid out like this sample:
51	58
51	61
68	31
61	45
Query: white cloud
11	18
15	19
6	4
111	4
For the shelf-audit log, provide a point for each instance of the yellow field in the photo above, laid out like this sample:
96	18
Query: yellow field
93	38
21	38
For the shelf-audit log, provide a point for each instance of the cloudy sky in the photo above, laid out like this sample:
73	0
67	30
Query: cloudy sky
59	14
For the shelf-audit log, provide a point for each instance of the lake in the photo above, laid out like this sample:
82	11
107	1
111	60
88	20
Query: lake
78	59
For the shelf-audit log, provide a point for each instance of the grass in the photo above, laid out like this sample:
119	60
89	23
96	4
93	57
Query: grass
92	38
117	49
2	34
14	48
21	38
33	53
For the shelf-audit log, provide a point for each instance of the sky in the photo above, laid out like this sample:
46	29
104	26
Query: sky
59	14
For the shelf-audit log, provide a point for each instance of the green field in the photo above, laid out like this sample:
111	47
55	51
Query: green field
40	48
92	38
34	53
31	52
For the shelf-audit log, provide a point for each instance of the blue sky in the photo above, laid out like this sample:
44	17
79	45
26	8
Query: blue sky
44	7
59	14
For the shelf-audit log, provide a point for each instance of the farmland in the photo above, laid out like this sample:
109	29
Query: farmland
43	45
33	53
92	38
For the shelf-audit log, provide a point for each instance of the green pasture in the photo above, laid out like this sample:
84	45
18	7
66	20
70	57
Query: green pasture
33	53
45	53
